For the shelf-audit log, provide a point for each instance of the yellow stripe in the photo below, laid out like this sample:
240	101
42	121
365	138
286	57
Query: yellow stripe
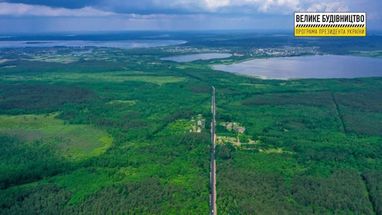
330	31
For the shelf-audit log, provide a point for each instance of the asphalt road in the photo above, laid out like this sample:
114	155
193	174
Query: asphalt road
213	161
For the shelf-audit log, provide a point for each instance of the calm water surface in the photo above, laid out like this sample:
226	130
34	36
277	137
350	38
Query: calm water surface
318	66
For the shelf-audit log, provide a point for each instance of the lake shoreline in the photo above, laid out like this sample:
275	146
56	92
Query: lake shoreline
306	67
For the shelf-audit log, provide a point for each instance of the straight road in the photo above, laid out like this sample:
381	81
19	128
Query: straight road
213	161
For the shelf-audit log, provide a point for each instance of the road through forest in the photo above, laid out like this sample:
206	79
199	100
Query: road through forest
213	161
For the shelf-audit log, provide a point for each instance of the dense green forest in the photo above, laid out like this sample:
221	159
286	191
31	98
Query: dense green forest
112	131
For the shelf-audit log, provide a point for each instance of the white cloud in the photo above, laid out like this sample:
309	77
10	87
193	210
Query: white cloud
247	5
237	6
328	7
18	9
275	6
215	4
272	5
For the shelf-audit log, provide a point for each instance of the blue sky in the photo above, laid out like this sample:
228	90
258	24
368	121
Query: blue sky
18	16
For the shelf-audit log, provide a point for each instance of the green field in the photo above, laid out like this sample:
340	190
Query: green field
71	141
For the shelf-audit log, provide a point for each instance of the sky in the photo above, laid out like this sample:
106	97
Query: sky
36	16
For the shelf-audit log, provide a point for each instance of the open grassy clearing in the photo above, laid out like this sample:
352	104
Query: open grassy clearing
73	141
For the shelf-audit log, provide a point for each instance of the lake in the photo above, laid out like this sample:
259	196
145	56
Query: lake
125	44
305	67
195	57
